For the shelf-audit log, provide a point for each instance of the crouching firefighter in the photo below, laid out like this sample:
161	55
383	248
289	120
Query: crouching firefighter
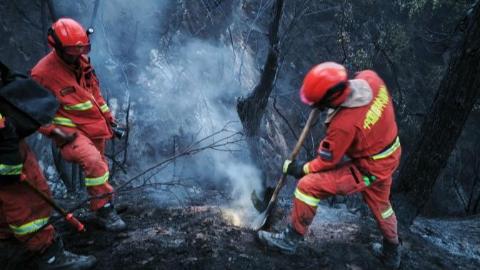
67	73
24	107
361	125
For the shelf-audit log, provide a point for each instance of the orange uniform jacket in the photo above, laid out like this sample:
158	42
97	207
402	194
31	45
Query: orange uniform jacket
82	105
366	134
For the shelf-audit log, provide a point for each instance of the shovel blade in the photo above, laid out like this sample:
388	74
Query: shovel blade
261	203
264	220
260	221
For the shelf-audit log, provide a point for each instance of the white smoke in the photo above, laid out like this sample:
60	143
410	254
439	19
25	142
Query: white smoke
181	86
195	92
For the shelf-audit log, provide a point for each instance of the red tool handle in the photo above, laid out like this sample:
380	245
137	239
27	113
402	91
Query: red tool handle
77	224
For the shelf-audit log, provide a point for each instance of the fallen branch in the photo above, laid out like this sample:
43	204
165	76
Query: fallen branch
194	148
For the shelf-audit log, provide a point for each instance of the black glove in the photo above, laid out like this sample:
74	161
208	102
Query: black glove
294	168
11	161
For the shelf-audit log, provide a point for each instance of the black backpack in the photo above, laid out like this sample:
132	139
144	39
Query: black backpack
26	102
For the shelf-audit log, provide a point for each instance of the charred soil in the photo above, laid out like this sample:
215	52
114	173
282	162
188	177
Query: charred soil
203	237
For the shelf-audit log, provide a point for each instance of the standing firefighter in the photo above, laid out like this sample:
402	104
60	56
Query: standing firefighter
67	73
361	125
23	213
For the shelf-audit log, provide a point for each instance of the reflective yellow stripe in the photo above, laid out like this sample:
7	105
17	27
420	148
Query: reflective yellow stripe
6	169
387	213
389	151
30	227
62	121
87	105
104	108
306	198
89	182
306	168
1	116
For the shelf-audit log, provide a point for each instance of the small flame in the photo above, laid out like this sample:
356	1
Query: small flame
239	216
234	217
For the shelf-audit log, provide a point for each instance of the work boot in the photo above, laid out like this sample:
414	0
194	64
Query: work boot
285	242
109	220
389	253
57	258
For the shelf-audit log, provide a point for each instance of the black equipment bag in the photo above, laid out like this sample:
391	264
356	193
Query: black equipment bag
26	102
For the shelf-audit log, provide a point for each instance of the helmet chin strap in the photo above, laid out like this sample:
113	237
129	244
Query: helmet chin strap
66	58
70	59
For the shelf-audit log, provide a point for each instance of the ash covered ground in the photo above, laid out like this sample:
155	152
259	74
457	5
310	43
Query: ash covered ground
214	54
209	236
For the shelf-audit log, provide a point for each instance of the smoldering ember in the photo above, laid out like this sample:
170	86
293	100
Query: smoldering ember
239	134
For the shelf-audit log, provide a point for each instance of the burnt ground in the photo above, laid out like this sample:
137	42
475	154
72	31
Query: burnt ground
204	237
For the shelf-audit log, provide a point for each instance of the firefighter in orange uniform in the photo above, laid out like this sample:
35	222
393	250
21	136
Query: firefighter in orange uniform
23	213
66	71
361	125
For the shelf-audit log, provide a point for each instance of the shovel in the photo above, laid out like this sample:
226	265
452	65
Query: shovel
66	215
263	221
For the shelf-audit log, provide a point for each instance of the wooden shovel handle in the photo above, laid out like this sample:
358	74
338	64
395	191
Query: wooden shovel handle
311	119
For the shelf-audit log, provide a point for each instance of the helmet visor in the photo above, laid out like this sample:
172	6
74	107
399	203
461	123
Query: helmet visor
77	50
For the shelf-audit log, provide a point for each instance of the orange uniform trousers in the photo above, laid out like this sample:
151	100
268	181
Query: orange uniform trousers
22	211
344	180
89	153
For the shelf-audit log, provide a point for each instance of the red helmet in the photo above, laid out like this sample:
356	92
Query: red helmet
69	36
325	84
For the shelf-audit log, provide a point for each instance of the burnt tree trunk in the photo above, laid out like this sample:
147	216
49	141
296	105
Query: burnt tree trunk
52	10
252	108
443	124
